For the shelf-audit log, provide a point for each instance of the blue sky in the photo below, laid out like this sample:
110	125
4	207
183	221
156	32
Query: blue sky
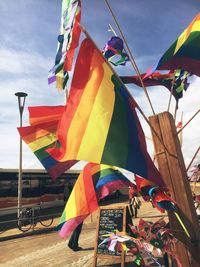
29	30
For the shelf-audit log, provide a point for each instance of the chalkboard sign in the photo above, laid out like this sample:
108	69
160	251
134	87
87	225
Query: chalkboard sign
111	218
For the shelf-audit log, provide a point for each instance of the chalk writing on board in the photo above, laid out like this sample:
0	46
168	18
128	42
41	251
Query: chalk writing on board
110	220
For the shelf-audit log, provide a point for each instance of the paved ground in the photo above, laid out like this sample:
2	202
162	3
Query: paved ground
48	249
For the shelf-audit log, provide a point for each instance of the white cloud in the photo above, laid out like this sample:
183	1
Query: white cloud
28	73
22	62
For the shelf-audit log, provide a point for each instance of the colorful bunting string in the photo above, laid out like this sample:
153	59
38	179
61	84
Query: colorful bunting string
174	80
67	43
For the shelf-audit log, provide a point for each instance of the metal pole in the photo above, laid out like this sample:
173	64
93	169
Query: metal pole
130	55
21	102
193	158
188	122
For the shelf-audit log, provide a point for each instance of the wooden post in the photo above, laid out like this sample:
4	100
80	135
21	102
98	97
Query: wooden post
173	171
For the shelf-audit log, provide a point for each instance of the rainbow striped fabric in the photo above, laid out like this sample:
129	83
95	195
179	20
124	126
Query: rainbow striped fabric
94	182
107	179
184	53
42	134
67	42
100	123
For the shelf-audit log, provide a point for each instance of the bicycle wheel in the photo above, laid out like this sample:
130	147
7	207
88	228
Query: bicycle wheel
45	219
24	222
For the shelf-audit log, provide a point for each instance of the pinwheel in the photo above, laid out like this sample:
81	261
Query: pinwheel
113	48
163	202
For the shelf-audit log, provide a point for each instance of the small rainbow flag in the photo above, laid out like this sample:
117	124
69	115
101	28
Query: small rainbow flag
42	135
94	182
184	53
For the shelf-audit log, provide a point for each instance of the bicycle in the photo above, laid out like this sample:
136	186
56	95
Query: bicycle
28	219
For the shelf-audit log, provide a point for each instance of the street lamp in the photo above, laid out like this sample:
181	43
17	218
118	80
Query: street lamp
21	102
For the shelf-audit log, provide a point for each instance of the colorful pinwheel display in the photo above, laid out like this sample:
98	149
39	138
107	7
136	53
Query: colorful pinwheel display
147	242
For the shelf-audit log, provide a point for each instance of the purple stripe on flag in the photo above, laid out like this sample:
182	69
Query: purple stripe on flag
51	79
60	167
111	187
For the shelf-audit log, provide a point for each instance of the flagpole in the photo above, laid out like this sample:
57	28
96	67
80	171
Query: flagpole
132	99
171	91
148	138
188	121
111	29
66	95
195	154
193	158
175	111
130	56
180	137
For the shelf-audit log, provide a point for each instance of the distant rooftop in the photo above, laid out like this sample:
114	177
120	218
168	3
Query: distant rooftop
35	170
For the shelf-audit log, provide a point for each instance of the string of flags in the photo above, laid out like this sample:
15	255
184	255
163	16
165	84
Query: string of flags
175	81
68	40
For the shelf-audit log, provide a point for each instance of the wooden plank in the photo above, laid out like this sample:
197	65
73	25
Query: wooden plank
124	230
164	170
96	242
173	171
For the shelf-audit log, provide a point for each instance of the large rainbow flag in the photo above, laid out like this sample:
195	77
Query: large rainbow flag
42	135
184	53
95	182
100	123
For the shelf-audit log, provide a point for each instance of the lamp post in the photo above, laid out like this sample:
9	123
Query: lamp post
21	102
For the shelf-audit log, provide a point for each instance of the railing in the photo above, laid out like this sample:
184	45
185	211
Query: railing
29	217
